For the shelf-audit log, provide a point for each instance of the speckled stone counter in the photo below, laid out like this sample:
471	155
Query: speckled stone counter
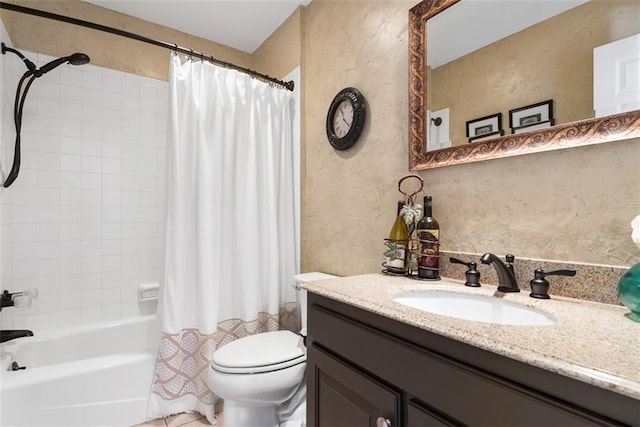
591	342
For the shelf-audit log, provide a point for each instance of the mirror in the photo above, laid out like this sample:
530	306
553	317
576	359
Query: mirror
563	135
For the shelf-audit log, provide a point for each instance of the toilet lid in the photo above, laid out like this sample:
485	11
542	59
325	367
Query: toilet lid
260	353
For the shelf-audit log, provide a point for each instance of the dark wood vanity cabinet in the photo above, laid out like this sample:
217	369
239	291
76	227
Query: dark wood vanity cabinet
363	369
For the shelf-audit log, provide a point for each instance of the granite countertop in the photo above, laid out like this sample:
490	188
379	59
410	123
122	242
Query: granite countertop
590	342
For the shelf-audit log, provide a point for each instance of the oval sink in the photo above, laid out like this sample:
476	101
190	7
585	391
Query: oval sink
474	307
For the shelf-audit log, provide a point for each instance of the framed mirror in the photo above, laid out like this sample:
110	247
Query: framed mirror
560	135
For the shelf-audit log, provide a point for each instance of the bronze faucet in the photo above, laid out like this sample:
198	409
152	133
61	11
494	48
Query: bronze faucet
506	276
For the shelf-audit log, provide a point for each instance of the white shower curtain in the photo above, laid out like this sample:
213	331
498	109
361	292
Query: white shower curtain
230	243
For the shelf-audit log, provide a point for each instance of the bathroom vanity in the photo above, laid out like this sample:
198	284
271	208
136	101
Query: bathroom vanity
375	362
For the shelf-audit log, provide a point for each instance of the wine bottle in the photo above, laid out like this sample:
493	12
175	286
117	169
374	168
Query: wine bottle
428	234
397	244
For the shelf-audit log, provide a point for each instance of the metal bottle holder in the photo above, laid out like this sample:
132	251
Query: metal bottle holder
417	250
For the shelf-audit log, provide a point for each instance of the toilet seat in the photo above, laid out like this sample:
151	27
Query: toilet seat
260	353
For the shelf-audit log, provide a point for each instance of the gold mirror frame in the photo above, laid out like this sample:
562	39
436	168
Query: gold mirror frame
584	132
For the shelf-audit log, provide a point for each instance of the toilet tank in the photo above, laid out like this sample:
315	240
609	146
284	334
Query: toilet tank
302	294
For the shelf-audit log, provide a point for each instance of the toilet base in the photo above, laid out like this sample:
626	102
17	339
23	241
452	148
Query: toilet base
239	414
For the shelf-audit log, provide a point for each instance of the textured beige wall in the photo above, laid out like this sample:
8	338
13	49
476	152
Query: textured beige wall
106	50
571	205
282	51
506	75
349	196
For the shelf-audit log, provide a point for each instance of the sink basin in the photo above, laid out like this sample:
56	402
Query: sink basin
474	307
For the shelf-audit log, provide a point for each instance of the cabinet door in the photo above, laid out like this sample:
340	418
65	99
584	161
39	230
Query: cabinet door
341	396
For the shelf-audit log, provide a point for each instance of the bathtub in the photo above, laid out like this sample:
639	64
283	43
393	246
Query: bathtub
82	376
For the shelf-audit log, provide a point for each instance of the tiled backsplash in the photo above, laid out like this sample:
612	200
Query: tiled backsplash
84	220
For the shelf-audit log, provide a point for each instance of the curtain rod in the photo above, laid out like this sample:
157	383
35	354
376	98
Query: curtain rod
127	34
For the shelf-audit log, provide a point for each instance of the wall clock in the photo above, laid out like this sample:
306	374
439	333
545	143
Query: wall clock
346	118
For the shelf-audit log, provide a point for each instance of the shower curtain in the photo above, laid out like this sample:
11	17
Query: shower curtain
230	240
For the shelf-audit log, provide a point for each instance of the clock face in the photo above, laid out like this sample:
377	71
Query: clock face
346	118
343	119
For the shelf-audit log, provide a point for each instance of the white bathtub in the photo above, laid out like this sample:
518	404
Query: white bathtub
85	376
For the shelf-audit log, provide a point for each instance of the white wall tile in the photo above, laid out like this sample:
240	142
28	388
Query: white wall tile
49	285
70	128
48	250
70	196
110	296
91	315
70	317
92	181
82	221
70	179
111	312
91	79
91	281
70	111
70	301
48	267
48	90
111	166
71	75
70	162
71	266
91	147
111	279
71	249
70	93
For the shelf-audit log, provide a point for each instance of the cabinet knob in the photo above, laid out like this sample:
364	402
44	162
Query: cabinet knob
383	422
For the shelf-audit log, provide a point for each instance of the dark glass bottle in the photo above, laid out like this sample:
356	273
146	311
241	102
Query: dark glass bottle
428	234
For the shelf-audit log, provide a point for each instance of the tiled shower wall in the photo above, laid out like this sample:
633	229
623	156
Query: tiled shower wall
83	223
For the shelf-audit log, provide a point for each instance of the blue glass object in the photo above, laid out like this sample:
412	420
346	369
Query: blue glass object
629	291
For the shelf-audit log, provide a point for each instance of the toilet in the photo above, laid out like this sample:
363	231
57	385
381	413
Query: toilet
257	373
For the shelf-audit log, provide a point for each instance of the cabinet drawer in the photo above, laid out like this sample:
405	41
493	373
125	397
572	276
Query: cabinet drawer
456	390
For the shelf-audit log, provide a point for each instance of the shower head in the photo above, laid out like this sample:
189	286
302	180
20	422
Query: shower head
21	93
79	59
73	59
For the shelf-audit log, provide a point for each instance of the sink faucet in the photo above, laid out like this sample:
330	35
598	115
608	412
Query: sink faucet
506	277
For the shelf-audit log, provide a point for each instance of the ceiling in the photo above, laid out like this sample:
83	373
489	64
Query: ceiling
241	24
245	24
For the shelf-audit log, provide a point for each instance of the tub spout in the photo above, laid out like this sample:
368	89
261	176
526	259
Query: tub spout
10	334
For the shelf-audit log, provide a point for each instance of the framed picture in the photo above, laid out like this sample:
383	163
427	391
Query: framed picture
484	127
486	136
540	125
531	115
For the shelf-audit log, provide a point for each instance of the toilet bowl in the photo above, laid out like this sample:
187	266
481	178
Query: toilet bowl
255	374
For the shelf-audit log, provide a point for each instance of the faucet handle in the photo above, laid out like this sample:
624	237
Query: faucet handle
472	275
540	285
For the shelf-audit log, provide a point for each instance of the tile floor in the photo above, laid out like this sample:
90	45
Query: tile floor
182	420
